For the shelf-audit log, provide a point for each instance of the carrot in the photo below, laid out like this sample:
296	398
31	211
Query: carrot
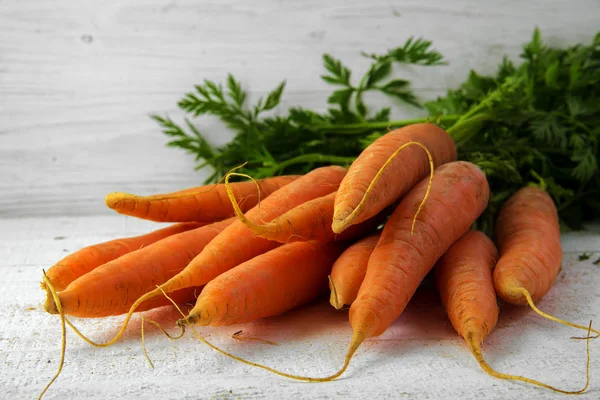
308	221
267	285
113	287
370	186
401	260
201	204
464	280
88	258
528	236
236	243
349	271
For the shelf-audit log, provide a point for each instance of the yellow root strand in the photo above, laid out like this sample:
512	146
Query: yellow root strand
159	326
113	199
356	342
525	293
333	299
473	341
238	336
236	208
50	288
339	226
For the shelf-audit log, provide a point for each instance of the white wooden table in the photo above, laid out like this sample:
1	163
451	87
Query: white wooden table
77	82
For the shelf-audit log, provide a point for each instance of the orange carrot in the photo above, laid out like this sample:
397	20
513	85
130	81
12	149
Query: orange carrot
112	288
89	258
401	259
361	183
349	271
267	285
528	236
202	204
464	280
308	221
236	243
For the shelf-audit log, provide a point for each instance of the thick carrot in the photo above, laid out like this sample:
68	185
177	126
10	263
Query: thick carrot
88	258
362	196
236	243
112	288
528	236
401	259
309	221
349	271
201	204
464	280
267	285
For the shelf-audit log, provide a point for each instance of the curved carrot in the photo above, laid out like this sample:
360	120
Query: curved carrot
236	243
202	204
308	221
464	280
113	287
349	271
88	258
267	285
351	205
528	236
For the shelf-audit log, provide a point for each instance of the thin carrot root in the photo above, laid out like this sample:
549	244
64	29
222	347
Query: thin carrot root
50	288
356	342
238	336
159	326
525	293
340	225
474	343
236	207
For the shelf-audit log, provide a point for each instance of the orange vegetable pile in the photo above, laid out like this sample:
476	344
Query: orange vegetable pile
369	234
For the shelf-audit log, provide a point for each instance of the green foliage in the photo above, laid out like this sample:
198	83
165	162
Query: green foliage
536	122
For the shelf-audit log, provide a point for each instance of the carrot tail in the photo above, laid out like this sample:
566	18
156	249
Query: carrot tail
474	343
340	225
357	340
52	291
159	326
552	318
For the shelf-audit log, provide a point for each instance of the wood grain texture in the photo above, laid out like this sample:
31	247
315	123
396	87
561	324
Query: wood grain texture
418	357
79	78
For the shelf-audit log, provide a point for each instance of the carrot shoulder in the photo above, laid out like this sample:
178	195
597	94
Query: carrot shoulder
91	257
404	171
464	280
202	204
113	287
267	285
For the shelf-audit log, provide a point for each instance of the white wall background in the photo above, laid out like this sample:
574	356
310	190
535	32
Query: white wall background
78	79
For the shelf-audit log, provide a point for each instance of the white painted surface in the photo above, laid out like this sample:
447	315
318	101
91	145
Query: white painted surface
77	82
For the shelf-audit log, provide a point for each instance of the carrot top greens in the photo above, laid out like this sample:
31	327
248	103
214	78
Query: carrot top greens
536	123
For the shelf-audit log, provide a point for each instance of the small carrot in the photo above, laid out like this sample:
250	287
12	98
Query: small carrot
236	244
528	236
378	178
88	258
464	280
113	287
401	259
267	285
201	204
349	271
308	221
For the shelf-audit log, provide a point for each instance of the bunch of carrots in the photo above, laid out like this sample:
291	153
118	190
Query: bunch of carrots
369	234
